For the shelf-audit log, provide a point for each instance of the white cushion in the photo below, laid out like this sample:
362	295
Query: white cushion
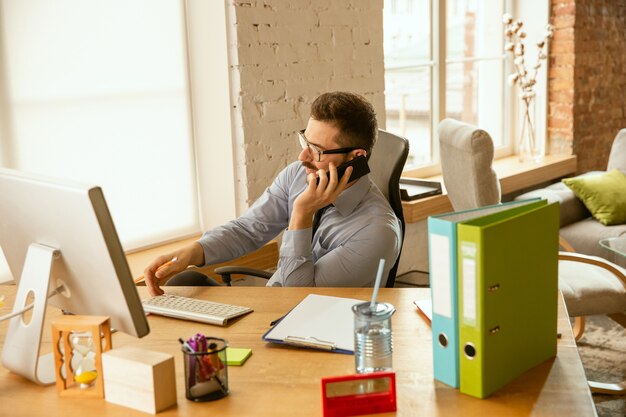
590	289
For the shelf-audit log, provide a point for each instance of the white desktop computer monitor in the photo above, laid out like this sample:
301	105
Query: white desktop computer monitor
55	232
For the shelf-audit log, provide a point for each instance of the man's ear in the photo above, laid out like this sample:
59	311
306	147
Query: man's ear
359	152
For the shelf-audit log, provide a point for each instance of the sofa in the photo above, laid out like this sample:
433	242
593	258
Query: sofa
578	227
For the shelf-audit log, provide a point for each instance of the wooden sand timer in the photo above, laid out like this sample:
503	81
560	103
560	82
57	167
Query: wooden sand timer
77	342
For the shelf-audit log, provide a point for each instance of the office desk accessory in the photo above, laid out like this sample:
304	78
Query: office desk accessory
317	322
140	379
425	309
413	189
443	265
259	388
507	295
142	278
355	395
78	351
63	251
373	344
191	309
206	368
237	356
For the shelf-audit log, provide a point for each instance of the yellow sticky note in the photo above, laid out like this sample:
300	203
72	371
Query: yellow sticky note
237	356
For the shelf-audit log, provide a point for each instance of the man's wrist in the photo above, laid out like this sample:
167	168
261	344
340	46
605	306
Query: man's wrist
197	254
300	220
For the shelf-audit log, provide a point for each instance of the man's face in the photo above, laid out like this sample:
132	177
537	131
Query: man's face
323	136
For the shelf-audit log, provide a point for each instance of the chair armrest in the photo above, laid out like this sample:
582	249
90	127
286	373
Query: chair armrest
226	271
565	244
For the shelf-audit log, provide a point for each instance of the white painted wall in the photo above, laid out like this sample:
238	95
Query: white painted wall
283	54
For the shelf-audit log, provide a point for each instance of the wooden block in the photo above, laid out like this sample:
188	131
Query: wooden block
139	379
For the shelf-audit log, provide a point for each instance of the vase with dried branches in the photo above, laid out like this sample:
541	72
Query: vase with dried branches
529	146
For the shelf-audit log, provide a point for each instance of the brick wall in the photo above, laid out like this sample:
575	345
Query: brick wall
587	79
284	53
561	78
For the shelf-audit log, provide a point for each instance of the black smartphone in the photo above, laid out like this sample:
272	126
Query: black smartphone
359	168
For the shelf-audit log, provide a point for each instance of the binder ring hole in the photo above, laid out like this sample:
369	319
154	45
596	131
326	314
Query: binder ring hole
470	351
443	339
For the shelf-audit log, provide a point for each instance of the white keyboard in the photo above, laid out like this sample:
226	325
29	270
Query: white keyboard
191	309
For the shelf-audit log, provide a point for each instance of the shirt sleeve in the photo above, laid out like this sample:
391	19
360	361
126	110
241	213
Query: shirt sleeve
263	221
353	264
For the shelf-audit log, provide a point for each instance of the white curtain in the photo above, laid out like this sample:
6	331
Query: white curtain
97	91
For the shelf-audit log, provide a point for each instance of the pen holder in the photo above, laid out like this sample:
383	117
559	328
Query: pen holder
206	373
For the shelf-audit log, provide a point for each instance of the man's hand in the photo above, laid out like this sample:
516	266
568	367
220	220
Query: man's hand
165	266
317	195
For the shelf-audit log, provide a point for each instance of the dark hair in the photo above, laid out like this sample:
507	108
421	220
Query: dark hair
353	115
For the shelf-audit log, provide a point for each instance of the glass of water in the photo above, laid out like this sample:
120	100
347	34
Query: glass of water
373	345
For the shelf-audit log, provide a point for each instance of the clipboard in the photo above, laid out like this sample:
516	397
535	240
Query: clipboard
317	322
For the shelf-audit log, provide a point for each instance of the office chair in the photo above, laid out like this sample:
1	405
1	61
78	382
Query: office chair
590	285
386	164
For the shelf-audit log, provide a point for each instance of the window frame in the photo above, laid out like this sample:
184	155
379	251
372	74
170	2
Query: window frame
216	130
438	54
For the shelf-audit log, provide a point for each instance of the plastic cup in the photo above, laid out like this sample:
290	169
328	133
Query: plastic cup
373	344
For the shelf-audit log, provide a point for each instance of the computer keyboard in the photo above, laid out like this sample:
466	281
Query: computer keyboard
191	309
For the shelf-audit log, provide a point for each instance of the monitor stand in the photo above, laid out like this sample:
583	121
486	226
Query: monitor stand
22	342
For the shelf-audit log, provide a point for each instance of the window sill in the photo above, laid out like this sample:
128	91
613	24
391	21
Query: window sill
514	176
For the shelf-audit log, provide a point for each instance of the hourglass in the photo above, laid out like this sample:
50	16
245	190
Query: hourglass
78	346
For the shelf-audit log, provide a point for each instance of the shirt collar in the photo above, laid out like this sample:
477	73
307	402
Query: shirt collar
351	197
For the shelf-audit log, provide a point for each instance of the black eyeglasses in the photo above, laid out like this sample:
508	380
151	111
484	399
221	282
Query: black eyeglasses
315	150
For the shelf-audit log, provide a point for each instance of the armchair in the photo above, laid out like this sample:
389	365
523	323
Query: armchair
386	164
592	285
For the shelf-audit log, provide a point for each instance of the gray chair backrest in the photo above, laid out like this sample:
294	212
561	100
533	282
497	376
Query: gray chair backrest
466	155
386	164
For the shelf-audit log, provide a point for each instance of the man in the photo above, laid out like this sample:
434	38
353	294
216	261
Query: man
356	230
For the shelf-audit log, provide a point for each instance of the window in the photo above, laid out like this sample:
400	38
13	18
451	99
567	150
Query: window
98	92
444	59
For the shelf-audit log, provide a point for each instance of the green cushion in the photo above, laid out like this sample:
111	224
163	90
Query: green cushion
604	195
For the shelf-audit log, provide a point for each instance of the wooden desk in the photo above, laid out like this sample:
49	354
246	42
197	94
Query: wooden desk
285	381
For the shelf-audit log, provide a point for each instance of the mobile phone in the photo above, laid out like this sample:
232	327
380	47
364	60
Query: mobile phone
359	168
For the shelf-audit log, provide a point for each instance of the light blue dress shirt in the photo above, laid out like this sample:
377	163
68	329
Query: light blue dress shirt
353	235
